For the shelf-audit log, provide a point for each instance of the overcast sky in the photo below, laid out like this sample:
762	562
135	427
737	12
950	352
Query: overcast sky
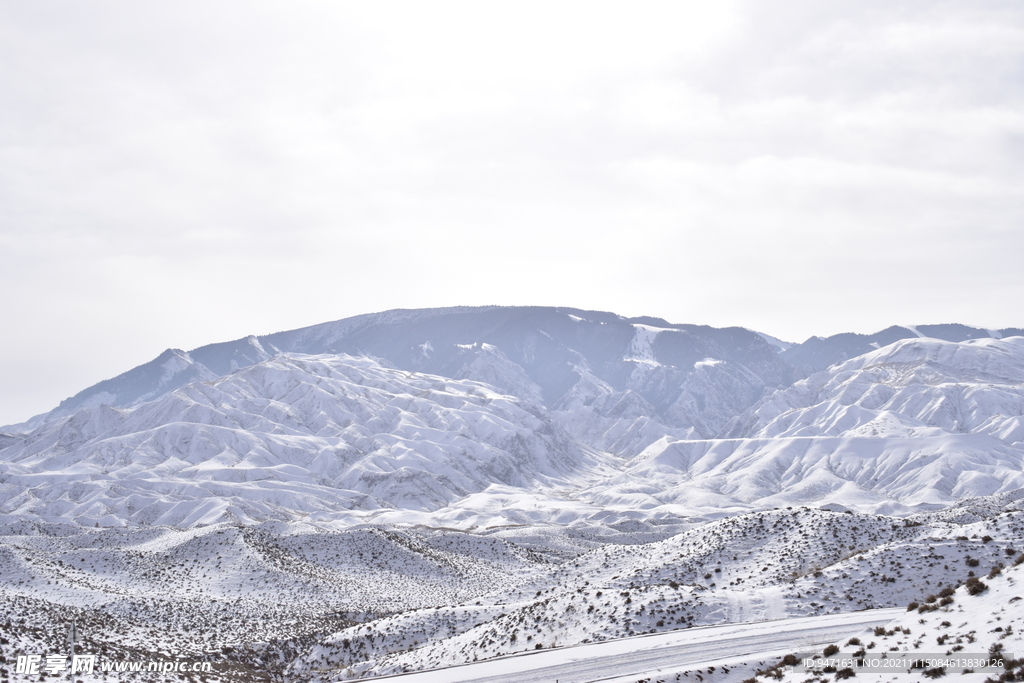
179	173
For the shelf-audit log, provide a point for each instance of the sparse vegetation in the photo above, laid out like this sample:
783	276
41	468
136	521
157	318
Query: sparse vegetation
975	586
574	596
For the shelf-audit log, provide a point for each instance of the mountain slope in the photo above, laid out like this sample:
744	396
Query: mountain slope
295	435
249	598
917	424
982	619
913	387
881	475
818	353
758	566
688	376
914	426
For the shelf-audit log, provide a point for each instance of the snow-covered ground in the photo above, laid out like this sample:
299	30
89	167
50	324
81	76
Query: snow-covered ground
418	490
314	605
947	633
752	567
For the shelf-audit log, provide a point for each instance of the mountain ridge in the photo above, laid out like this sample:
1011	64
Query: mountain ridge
471	417
818	353
343	335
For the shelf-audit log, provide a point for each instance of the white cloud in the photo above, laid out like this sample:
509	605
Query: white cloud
180	173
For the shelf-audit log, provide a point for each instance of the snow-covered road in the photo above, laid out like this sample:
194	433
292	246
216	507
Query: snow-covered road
663	651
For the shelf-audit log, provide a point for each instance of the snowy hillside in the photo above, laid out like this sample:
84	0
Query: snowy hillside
981	620
297	437
818	353
915	387
311	605
248	598
767	565
916	425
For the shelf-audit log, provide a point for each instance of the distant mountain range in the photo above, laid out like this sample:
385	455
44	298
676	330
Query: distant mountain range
557	349
818	353
490	415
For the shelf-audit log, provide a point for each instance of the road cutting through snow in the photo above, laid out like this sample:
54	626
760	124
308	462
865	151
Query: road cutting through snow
666	652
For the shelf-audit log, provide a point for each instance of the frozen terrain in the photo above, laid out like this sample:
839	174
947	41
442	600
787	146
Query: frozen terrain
314	605
415	490
981	619
754	567
336	439
315	438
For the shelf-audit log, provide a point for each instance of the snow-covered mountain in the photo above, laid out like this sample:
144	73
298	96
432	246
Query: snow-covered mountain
419	489
913	387
818	353
471	417
297	436
917	424
599	365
